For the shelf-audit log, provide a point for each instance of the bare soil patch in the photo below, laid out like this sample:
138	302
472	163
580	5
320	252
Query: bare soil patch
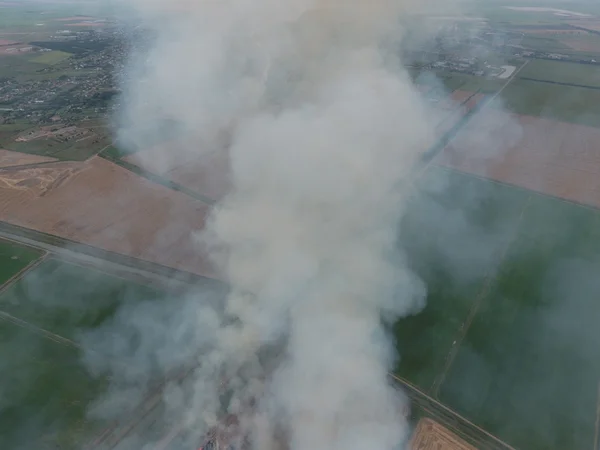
555	158
430	435
38	181
9	158
4	42
102	204
205	173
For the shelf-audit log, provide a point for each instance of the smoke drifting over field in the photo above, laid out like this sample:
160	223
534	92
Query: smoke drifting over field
323	128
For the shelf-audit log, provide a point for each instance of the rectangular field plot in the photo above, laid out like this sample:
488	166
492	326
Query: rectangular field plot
64	298
76	341
556	158
529	365
14	258
566	103
45	393
562	72
455	80
454	233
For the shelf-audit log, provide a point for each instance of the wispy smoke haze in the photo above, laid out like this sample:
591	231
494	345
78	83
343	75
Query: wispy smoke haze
323	128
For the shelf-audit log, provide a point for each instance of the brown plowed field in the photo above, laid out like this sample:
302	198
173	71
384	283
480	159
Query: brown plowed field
430	435
543	155
102	204
207	173
9	158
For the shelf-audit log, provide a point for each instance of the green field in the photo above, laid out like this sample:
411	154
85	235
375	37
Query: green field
19	66
478	219
64	298
14	258
47	389
524	267
51	58
45	393
544	44
66	151
553	101
563	72
454	80
41	16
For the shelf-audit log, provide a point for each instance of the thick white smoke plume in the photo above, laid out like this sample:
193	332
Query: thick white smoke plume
323	128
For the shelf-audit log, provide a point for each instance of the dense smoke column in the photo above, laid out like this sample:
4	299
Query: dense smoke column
323	128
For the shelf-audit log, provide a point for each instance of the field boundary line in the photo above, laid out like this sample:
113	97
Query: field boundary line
38	330
21	273
483	294
516	186
414	388
158	179
560	83
7	317
30	165
447	139
63	246
152	282
510	79
597	424
120	429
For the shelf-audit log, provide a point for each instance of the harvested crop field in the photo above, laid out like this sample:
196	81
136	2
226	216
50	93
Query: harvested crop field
430	435
206	174
9	158
554	158
101	204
